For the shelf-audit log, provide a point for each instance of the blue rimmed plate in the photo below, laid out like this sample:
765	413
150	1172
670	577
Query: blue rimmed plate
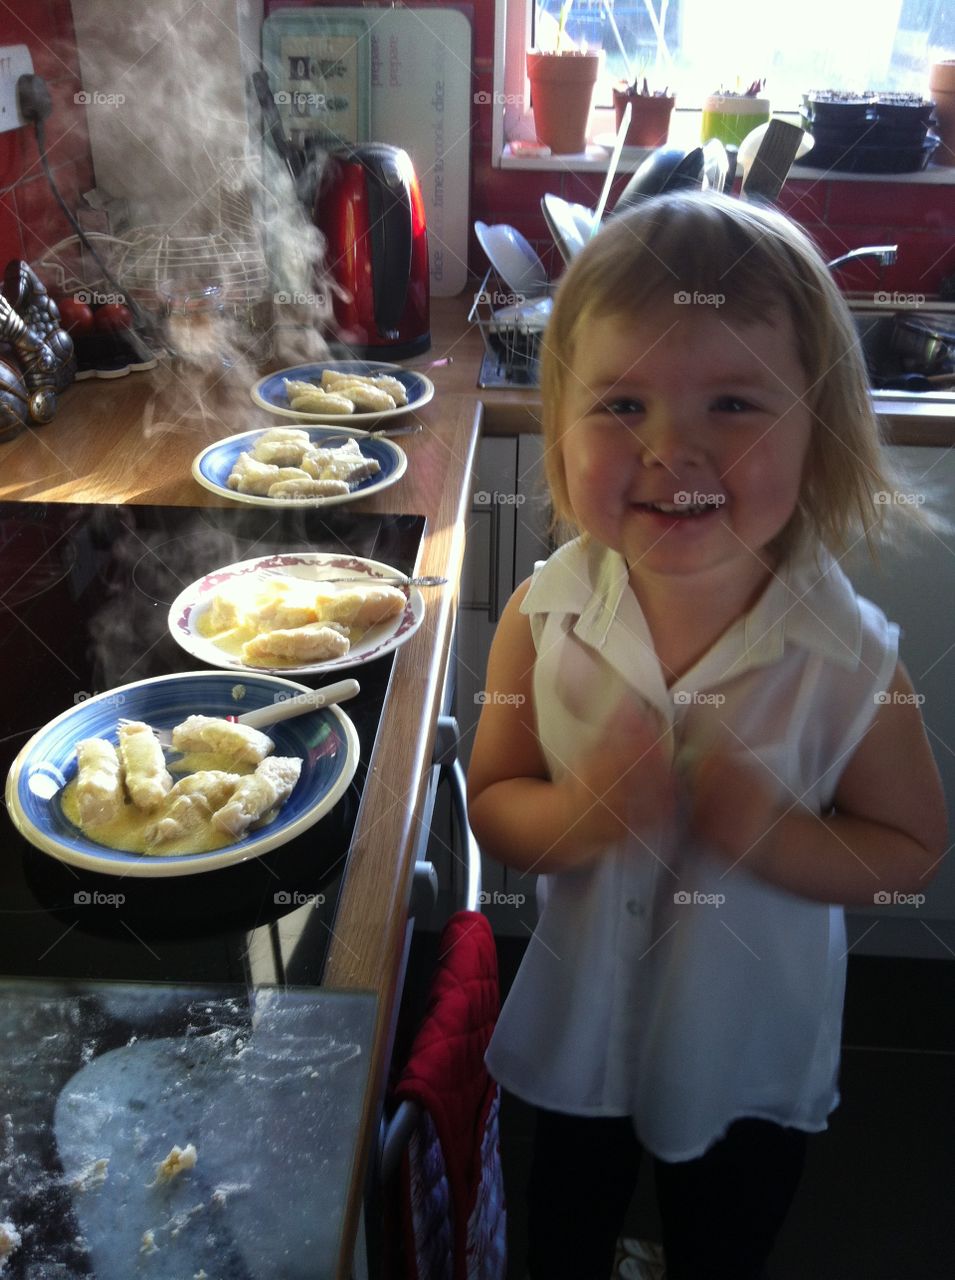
325	741
213	466
269	392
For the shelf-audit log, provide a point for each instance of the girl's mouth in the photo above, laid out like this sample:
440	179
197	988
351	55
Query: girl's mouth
678	511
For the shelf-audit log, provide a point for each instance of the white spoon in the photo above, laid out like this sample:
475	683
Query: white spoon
277	711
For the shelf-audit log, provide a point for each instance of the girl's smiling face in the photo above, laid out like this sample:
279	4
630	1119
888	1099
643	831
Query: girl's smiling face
683	440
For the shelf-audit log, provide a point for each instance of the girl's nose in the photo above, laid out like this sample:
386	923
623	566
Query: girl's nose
668	439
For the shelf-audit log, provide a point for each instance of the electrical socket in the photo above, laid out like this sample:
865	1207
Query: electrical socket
15	61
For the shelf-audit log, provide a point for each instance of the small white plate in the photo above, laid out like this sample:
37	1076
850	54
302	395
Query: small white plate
213	466
269	392
312	566
512	258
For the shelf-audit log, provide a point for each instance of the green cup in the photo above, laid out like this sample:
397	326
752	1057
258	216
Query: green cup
731	118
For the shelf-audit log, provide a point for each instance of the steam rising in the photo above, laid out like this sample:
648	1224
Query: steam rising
176	130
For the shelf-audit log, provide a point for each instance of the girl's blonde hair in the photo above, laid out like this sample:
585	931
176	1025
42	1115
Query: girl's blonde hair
750	261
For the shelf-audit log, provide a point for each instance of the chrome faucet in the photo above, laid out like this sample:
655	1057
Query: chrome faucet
886	254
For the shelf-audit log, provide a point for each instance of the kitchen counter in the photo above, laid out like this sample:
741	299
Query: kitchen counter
132	440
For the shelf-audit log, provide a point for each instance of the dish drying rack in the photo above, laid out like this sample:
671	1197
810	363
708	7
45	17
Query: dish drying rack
511	347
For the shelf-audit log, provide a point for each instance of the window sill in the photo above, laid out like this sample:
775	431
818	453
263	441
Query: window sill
684	132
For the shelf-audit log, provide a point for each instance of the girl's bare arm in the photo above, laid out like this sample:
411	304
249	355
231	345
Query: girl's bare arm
521	817
887	832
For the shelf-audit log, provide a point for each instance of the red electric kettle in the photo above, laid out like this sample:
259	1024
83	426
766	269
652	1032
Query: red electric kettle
370	211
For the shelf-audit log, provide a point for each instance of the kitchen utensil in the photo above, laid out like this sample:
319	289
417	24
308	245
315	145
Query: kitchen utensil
774	158
190	606
296	705
666	169
269	392
751	144
715	165
48	761
512	258
612	168
212	467
571	225
370	210
426	581
293	157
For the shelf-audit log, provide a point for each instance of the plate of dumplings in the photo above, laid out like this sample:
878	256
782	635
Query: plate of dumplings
301	465
346	392
81	791
308	613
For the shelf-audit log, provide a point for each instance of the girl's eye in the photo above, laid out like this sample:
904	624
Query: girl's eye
732	404
623	406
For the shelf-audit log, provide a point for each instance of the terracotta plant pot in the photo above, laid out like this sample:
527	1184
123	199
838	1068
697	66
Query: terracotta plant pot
941	82
562	89
649	118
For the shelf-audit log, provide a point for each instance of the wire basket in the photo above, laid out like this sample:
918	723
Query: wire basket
511	346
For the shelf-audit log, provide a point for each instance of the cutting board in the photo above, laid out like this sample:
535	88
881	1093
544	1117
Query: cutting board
421	94
269	1089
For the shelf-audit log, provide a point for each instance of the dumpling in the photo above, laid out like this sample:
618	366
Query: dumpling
99	781
270	785
251	476
190	803
364	606
222	738
365	396
144	767
318	642
279	453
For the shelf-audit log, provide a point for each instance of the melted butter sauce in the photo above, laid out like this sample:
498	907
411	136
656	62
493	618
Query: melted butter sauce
127	831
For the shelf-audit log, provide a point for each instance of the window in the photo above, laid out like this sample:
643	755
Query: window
697	47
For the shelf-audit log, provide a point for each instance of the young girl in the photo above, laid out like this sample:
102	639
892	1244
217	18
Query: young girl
698	735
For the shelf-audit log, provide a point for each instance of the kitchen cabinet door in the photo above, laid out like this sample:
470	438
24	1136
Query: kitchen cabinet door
916	589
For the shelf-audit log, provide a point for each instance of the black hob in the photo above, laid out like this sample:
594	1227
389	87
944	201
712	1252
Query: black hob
84	597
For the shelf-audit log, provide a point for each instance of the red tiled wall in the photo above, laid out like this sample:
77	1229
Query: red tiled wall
30	219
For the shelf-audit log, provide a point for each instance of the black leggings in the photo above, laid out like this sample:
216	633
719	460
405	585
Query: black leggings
720	1213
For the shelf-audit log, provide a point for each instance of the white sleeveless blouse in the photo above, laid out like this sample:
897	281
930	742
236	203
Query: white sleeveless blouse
659	982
